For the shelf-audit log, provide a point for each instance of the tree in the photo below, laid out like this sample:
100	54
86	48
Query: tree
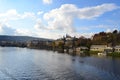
115	32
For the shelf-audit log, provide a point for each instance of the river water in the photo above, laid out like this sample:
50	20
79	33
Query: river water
30	64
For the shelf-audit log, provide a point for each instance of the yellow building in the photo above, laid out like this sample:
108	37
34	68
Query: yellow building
98	47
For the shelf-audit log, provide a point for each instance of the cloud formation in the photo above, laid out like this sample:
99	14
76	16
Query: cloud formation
14	15
47	1
24	32
55	23
39	12
61	20
6	29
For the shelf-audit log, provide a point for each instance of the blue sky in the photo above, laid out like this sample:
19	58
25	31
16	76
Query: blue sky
55	18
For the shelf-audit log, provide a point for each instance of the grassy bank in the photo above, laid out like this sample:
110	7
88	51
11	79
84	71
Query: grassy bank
93	52
114	54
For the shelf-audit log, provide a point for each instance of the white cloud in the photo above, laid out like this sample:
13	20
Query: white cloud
82	13
55	23
9	15
60	20
108	30
47	1
24	32
39	25
5	18
87	34
39	12
28	15
6	29
14	15
96	11
48	34
111	30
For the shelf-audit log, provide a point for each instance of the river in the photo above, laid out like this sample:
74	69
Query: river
31	64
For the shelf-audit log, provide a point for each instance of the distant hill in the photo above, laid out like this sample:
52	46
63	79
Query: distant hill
21	38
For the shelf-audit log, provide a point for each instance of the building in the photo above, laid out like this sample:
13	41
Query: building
117	48
98	48
68	37
37	44
80	50
108	50
70	51
57	42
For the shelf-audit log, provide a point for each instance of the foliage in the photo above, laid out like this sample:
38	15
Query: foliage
111	38
94	52
101	38
60	45
86	52
114	54
82	41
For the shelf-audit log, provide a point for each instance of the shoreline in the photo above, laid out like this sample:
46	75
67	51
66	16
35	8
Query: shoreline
74	54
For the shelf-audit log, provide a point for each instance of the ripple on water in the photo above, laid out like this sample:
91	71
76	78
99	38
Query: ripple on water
27	64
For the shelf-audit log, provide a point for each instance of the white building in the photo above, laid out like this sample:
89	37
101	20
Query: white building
117	48
80	50
108	50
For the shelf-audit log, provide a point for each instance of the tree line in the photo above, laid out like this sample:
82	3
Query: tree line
102	38
109	38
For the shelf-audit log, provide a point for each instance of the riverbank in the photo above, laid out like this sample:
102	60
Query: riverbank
84	53
112	54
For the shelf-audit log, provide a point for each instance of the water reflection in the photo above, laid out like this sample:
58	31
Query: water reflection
30	64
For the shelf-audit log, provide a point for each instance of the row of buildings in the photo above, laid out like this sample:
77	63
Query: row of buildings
12	44
38	44
105	48
97	48
69	46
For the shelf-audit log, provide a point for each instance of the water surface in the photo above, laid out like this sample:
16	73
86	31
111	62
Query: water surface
30	64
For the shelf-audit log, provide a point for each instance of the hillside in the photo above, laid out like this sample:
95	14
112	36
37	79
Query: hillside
21	38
